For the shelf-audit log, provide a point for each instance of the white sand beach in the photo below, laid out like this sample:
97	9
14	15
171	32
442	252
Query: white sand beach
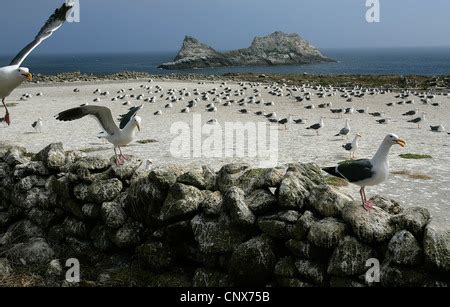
296	144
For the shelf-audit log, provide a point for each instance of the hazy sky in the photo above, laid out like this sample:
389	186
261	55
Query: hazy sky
160	25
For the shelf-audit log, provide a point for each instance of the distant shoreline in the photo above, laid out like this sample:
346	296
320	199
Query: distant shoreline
385	81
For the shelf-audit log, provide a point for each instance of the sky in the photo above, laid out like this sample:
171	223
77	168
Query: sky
111	26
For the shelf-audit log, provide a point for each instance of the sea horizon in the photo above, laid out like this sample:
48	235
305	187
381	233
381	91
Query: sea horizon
420	61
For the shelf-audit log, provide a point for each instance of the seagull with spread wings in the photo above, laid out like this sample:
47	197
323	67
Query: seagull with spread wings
121	135
13	75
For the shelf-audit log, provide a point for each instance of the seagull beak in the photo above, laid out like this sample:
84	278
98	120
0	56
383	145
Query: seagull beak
28	76
139	127
400	142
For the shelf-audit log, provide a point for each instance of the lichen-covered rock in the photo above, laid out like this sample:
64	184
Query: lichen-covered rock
307	250
370	227
181	201
100	236
412	219
76	228
285	267
56	234
349	258
240	214
327	233
388	205
91	211
228	175
31	168
157	255
293	283
314	272
29	182
204	278
128	235
55	268
328	201
113	214
403	249
104	191
79	247
252	263
42	218
216	235
393	276
32	198
193	178
303	225
261	201
292	193
5	268
15	155
212	203
437	248
128	169
35	251
344	282
144	200
165	177
21	231
279	226
53	156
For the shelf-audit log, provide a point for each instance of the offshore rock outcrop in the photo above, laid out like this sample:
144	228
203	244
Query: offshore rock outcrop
176	226
275	49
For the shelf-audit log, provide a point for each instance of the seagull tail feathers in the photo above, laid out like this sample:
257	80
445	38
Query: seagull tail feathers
332	171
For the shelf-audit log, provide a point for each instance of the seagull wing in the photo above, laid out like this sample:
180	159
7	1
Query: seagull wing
102	114
125	118
53	23
357	170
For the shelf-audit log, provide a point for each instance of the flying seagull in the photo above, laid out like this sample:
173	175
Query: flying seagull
353	146
367	172
118	136
13	75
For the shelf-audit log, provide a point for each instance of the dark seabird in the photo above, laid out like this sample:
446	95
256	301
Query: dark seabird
353	146
346	130
367	172
418	120
411	113
439	128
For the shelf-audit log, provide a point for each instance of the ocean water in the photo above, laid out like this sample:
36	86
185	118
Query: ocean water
398	61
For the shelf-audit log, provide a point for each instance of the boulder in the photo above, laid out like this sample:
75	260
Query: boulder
437	248
327	233
157	255
53	156
307	250
21	231
314	272
285	267
216	235
403	249
127	170
205	278
240	214
129	235
349	258
193	178
212	203
42	218
412	219
5	268
35	251
370	227
113	214
303	225
328	201
261	201
279	226
182	201
252	263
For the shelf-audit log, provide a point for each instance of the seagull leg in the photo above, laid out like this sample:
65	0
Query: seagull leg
119	160
368	205
122	156
7	118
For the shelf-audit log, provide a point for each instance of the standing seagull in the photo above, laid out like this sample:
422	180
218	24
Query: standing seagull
37	125
418	120
353	146
346	130
118	136
13	75
367	172
318	126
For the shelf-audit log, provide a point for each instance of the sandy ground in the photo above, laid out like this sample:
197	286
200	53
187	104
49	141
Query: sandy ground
295	144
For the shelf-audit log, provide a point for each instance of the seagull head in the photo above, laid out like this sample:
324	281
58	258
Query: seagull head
137	120
25	73
393	139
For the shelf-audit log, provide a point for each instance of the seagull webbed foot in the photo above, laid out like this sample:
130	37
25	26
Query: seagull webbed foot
368	205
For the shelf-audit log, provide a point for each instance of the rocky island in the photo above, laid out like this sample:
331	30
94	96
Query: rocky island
276	49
